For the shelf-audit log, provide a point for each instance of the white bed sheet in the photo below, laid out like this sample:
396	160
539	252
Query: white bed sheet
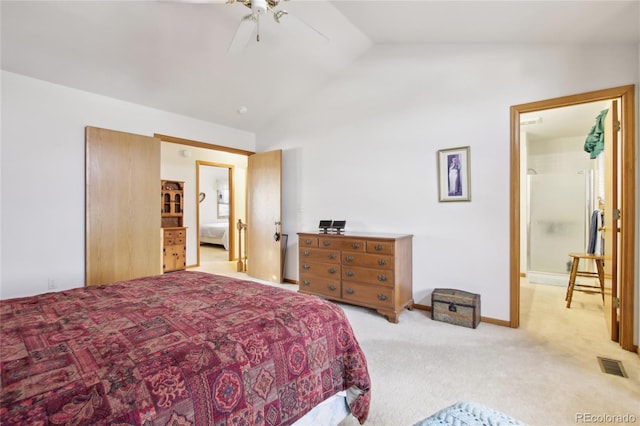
215	233
329	412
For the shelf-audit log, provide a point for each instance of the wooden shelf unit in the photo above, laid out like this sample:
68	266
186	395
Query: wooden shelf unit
174	234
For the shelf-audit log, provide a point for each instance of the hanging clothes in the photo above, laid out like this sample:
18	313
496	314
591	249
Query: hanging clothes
594	144
595	245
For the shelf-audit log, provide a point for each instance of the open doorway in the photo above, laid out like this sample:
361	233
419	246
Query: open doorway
561	188
215	216
185	167
625	188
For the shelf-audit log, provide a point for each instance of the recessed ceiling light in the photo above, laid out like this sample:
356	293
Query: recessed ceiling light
242	110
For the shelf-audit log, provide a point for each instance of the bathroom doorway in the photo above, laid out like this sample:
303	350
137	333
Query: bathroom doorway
623	189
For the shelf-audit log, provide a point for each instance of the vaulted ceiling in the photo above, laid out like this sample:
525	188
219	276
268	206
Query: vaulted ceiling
174	55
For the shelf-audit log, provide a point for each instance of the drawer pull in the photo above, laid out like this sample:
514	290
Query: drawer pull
305	266
305	253
332	287
332	270
379	247
382	262
382	297
355	245
307	242
332	256
305	282
382	277
326	243
349	290
349	258
350	273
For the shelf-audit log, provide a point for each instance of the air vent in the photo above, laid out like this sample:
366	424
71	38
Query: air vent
612	366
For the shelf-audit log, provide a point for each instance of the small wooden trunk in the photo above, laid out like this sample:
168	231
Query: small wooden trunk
455	307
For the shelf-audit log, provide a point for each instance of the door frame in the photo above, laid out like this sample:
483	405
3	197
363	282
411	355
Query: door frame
626	283
232	214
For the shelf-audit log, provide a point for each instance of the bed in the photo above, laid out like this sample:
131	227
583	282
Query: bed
215	233
186	348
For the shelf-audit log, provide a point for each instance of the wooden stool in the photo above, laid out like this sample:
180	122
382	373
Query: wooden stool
575	272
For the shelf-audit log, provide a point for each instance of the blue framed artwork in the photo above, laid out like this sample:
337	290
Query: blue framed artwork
454	180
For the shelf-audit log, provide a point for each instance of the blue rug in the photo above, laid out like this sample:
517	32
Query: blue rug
466	413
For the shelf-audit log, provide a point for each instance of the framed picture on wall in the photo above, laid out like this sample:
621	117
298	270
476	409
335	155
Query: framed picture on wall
454	180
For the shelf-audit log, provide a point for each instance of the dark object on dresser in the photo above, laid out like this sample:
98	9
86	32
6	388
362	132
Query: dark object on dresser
455	307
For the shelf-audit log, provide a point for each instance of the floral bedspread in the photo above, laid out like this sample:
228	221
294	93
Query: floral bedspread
186	348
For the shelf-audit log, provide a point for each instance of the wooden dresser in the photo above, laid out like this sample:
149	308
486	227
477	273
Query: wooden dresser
371	270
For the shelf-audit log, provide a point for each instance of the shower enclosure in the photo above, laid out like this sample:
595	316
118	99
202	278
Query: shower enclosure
559	210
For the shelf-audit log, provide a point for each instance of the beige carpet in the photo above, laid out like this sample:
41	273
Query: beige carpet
543	373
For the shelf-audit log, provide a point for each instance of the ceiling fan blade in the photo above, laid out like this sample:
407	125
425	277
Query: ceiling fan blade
295	25
245	31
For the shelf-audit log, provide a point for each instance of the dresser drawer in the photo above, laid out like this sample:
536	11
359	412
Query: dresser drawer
174	241
326	270
342	243
174	236
174	233
311	254
307	241
366	275
373	295
380	247
367	260
318	285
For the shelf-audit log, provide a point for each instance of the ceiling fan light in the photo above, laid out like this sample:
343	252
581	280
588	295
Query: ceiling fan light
259	7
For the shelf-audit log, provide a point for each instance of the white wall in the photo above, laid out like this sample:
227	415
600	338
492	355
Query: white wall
364	149
43	174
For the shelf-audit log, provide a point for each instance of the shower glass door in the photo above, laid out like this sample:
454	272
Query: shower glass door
557	220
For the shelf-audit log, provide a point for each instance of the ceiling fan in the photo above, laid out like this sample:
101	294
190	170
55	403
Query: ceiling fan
249	25
251	22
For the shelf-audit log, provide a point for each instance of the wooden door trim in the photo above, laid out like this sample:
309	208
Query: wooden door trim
626	94
198	144
232	217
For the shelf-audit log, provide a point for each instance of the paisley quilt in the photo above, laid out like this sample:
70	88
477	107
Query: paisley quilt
185	348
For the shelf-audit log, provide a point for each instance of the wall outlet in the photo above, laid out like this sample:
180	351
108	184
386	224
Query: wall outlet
51	284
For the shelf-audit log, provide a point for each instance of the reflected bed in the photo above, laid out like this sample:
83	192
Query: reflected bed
215	233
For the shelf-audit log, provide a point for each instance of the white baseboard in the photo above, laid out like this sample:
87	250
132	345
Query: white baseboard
547	278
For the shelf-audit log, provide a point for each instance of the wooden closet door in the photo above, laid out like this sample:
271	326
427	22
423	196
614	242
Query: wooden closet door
123	232
264	211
